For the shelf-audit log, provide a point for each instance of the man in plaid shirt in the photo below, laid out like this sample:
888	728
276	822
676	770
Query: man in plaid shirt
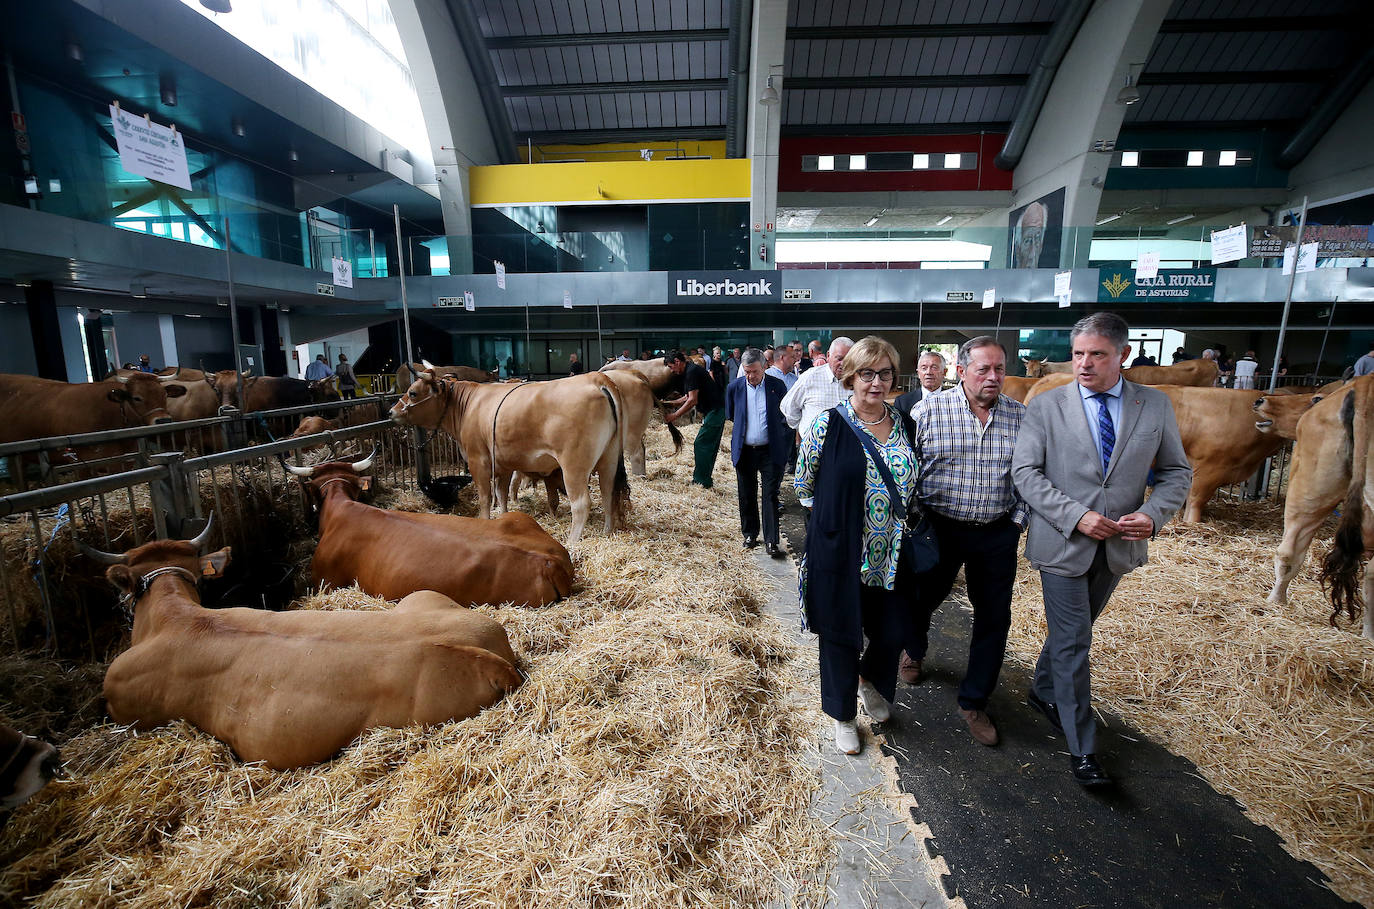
965	437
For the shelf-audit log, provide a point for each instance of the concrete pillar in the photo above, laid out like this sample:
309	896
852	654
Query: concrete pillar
167	330
1081	109
46	334
459	133
765	126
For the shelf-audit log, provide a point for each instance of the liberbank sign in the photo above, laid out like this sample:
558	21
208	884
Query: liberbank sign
724	287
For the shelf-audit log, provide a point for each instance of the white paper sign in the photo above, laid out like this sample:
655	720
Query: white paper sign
501	275
150	149
1307	257
343	272
1228	245
469	301
1288	254
990	298
1061	283
567	299
1148	266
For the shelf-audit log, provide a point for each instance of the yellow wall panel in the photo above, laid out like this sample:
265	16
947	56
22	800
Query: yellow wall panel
610	182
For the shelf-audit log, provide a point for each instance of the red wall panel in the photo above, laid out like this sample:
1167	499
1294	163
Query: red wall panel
791	177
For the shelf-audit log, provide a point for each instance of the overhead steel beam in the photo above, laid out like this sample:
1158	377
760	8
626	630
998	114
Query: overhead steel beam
1331	106
629	136
959	30
1237	77
666	36
488	88
617	88
737	97
1256	24
839	82
898	129
1033	98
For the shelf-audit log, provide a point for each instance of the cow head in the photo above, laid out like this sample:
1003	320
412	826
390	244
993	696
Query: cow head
347	474
26	766
132	572
143	397
313	425
1279	414
1035	369
326	389
422	404
230	387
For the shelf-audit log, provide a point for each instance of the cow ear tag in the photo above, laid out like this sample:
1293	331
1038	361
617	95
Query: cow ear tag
364	483
212	564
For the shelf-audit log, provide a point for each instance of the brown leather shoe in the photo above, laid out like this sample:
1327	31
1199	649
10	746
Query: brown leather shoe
909	670
980	726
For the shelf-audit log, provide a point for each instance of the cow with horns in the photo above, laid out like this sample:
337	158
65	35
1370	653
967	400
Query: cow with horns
534	428
390	554
34	408
292	688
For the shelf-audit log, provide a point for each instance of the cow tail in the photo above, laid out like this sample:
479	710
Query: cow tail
620	492
1340	574
673	431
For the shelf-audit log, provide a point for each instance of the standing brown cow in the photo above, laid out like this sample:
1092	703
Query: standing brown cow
292	688
535	428
391	554
34	408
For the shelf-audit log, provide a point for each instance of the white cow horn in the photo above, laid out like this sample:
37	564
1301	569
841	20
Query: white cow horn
203	537
306	472
124	379
98	555
171	378
365	463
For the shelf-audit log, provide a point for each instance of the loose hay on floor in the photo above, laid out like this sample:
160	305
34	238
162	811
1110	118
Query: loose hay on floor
1274	706
646	761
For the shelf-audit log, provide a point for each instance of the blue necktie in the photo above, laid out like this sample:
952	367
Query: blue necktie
1105	431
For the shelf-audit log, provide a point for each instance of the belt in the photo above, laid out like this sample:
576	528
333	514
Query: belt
948	520
756	447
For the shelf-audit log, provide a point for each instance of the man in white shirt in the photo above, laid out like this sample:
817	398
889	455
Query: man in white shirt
1246	367
817	390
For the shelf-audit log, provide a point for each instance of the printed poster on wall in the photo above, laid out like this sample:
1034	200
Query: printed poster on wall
343	272
1036	231
150	149
1194	285
1345	241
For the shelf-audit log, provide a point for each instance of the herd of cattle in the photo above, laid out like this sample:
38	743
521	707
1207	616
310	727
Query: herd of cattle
440	660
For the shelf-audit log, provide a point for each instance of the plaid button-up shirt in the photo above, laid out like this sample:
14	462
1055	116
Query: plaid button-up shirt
966	466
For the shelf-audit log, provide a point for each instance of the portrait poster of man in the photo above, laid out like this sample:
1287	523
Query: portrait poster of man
1035	232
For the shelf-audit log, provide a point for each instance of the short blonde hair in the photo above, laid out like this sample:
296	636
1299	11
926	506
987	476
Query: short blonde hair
866	355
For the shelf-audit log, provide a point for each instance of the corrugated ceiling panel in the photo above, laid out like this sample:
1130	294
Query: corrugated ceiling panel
911	56
502	18
1249	51
1239	9
898	106
1193	103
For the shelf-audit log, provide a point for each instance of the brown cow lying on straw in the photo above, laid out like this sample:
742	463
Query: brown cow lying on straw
391	554
292	688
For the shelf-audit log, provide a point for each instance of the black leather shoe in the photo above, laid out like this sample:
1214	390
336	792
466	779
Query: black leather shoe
750	542
1050	711
775	551
1087	771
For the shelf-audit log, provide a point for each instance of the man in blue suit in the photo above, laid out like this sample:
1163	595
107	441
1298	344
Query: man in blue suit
759	443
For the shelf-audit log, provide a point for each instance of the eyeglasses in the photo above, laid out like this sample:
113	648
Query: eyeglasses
868	375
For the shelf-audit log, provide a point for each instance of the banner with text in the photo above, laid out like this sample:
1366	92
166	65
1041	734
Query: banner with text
1196	285
724	287
150	149
1347	241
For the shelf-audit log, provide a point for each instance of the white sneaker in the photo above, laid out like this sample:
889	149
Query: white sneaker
846	737
875	705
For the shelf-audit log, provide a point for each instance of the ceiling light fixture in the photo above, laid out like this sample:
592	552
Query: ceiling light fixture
769	96
1130	159
945	220
1180	220
217	6
1108	218
1129	94
75	53
167	90
871	221
238	128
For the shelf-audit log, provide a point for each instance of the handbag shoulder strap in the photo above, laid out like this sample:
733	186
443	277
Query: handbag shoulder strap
898	503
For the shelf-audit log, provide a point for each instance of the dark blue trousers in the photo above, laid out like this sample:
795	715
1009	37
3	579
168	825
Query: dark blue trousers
885	615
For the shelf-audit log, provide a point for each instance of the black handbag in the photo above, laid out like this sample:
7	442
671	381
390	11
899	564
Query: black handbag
920	547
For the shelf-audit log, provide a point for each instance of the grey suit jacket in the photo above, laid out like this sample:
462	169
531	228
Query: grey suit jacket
1056	471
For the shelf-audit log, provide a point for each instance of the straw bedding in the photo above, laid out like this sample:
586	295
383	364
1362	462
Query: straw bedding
645	761
1272	704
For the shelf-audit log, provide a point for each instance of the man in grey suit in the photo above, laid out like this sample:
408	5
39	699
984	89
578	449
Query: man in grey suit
930	377
1089	519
